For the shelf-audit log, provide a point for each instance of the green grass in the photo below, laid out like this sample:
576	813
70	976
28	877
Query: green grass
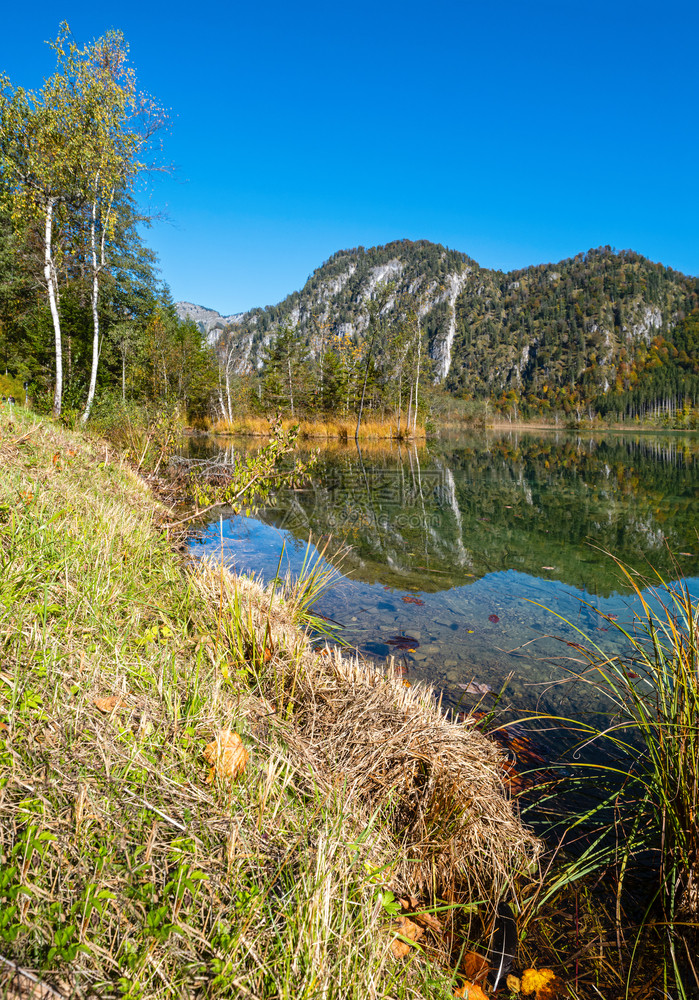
123	872
648	762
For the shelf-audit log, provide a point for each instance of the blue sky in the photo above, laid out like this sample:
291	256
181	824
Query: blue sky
517	132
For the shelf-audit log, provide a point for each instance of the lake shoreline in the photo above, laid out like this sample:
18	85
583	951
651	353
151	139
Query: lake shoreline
150	662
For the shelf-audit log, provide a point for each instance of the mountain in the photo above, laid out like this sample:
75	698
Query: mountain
208	320
587	323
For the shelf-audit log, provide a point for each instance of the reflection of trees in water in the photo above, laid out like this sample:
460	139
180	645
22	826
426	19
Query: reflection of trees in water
435	519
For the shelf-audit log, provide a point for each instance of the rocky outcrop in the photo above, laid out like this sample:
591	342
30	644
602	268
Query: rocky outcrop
486	331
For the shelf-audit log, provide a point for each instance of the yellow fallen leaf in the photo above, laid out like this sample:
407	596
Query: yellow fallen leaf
514	984
108	705
471	991
543	983
227	755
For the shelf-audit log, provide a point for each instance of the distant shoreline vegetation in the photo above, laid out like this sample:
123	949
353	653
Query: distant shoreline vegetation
410	332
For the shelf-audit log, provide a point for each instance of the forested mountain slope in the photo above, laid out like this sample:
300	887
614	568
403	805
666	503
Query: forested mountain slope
595	325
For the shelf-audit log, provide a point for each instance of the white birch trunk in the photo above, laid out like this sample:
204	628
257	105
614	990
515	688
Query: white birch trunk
97	266
50	276
228	389
95	314
417	375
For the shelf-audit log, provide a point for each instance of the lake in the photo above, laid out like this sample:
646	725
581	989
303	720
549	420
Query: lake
474	560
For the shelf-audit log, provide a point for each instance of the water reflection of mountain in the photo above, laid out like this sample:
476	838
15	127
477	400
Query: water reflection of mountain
543	505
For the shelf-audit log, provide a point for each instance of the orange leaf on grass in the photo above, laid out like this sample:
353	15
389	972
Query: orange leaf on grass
108	705
227	756
474	966
471	991
407	929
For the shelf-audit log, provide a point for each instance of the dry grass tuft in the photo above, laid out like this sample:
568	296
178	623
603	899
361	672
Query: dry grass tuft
437	784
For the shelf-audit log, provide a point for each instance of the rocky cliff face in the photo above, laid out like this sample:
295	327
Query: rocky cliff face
486	330
208	320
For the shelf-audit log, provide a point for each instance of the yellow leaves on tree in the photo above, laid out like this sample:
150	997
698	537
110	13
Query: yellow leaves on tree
543	983
227	756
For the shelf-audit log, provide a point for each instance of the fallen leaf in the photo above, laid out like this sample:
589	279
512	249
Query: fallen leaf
473	687
403	642
227	755
407	929
474	966
428	921
409	902
411	600
399	949
514	984
493	618
471	991
543	983
108	705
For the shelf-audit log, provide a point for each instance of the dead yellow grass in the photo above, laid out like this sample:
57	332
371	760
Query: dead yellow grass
342	430
437	785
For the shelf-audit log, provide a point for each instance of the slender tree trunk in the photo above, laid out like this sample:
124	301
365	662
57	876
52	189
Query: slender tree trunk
291	387
123	375
95	314
417	375
400	400
228	390
50	276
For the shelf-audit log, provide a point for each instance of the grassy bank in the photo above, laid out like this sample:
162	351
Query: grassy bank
323	429
136	862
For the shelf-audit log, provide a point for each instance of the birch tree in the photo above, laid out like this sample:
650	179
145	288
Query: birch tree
40	162
68	154
120	123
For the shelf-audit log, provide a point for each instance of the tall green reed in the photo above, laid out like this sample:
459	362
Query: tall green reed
650	752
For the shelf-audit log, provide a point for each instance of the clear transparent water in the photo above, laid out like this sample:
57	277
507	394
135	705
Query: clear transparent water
495	536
